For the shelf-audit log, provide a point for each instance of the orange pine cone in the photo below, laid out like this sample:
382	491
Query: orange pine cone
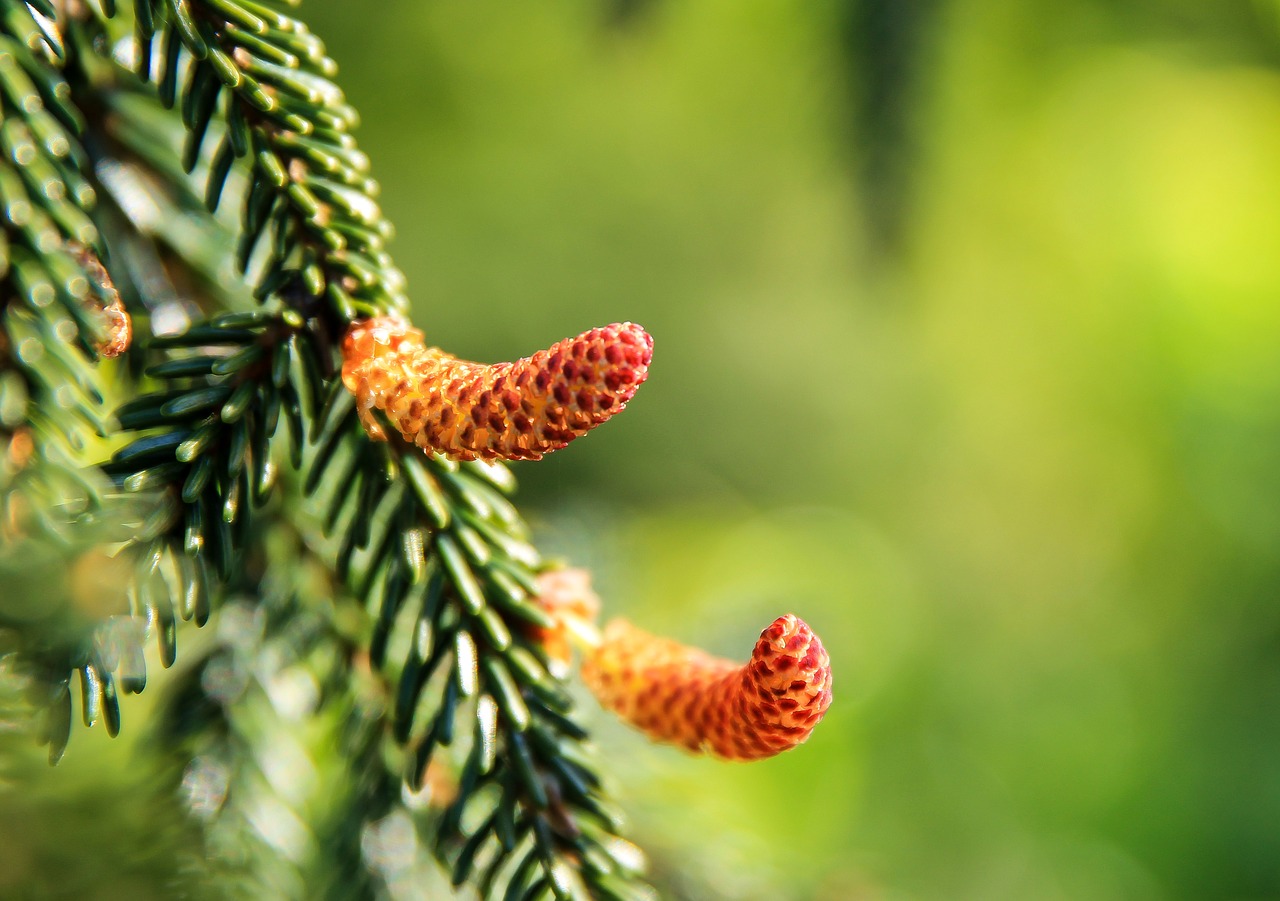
507	411
687	697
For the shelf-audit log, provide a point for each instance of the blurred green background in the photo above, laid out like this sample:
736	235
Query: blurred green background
967	351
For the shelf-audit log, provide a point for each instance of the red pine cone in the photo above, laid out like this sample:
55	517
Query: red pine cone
507	411
687	697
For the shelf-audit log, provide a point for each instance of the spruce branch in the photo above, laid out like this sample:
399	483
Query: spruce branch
282	437
256	716
451	521
310	205
52	308
451	578
58	312
210	398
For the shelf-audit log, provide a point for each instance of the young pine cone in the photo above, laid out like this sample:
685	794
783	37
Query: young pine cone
504	411
687	697
117	326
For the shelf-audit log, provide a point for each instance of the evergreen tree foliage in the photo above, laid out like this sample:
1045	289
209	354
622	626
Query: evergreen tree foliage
195	159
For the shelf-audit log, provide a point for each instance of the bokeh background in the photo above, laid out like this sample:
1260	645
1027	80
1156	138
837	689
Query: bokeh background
967	351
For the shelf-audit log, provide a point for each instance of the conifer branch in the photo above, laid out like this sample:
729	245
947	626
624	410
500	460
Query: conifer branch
150	152
434	546
309	207
256	717
58	310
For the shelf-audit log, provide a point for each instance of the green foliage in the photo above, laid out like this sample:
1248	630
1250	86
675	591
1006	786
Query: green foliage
236	482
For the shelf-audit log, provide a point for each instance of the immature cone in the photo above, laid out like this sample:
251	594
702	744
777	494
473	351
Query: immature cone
117	326
507	411
687	697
